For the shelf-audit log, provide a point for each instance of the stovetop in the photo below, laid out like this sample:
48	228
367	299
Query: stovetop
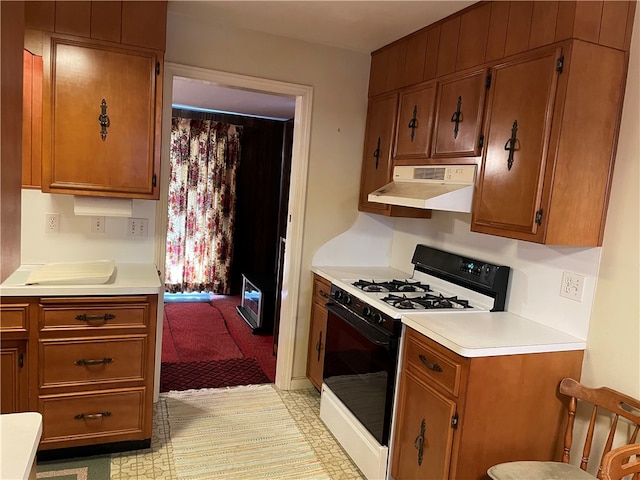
441	282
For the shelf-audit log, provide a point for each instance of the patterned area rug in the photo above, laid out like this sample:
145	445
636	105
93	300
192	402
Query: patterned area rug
240	433
213	374
88	468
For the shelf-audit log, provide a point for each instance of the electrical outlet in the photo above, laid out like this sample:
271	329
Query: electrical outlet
52	222
572	286
97	225
137	227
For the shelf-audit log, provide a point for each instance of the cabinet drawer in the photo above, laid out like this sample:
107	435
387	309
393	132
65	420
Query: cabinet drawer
321	289
96	314
429	363
92	415
14	317
89	360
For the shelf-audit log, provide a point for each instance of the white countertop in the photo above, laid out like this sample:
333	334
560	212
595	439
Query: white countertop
477	334
19	438
486	334
128	279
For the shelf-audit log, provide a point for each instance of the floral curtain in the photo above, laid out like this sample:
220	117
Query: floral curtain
204	159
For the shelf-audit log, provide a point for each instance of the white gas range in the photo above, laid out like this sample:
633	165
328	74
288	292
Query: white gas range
363	334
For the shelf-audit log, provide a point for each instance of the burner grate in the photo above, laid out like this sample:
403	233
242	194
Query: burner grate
425	302
387	286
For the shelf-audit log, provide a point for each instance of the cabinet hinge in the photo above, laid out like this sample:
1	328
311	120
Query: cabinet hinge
153	180
560	64
487	82
481	142
21	360
454	421
539	217
157	68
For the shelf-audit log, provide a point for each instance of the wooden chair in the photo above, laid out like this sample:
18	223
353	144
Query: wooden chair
622	461
603	400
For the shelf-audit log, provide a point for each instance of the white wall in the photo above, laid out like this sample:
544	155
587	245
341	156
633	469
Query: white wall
74	242
339	79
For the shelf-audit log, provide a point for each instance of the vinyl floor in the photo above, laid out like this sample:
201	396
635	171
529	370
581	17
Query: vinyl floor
156	463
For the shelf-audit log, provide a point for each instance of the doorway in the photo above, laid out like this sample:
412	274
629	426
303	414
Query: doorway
292	264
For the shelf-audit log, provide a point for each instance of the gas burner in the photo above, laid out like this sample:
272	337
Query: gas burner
425	302
386	286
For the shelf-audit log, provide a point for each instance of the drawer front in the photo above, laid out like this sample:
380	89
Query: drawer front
14	317
432	365
90	360
99	314
321	290
92	415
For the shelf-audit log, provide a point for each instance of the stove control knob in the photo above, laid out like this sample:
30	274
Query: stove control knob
378	318
337	294
366	311
347	298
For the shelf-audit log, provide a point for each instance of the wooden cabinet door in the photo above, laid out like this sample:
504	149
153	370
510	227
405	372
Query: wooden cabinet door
14	396
376	162
317	336
459	115
518	123
101	115
415	122
423	432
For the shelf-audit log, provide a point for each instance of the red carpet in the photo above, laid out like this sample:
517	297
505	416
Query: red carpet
209	345
196	332
212	374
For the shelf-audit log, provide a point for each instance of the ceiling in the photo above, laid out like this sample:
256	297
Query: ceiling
362	26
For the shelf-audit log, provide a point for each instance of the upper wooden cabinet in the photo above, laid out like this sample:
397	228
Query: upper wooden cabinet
415	122
550	130
459	115
101	117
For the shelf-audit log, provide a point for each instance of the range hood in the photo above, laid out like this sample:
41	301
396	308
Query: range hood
435	187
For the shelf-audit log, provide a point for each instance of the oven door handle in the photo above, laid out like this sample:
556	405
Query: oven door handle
366	330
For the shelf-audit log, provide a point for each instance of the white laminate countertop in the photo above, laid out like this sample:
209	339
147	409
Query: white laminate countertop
19	439
128	279
486	334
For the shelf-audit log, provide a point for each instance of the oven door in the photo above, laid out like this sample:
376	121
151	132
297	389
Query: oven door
359	368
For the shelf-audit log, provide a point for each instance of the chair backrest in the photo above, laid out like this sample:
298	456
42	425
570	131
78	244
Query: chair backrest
604	401
622	461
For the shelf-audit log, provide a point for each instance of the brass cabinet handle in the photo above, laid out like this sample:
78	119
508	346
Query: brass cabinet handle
92	416
98	361
419	442
434	367
83	317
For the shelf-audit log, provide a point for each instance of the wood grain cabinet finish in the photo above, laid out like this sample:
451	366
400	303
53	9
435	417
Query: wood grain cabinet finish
15	374
415	123
460	107
95	369
318	330
377	165
550	135
454	416
101	114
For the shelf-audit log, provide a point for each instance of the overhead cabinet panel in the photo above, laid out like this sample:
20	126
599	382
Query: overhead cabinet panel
519	121
100	119
415	121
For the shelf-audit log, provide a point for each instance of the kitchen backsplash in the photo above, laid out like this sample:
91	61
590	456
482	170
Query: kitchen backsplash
536	275
74	240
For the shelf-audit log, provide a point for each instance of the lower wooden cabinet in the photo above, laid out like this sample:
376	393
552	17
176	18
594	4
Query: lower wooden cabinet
317	330
457	416
91	363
